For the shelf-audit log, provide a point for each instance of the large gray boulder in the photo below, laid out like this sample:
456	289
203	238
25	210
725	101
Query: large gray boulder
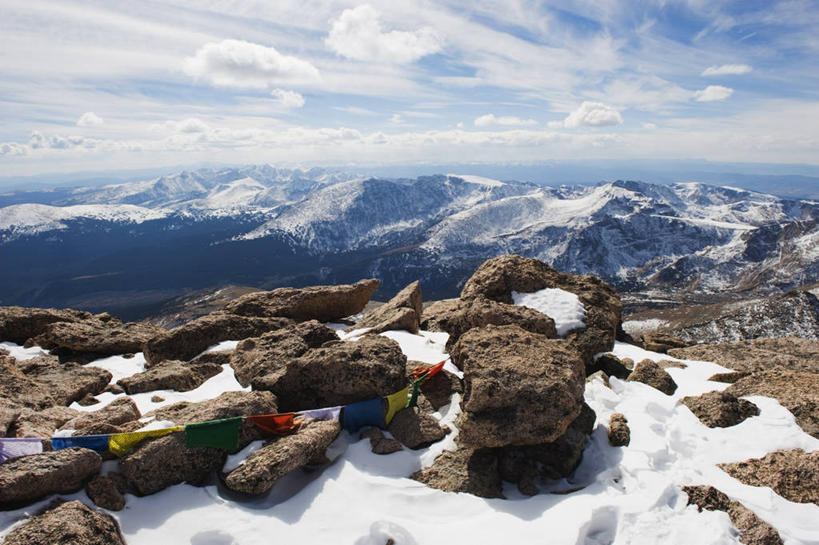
402	312
170	375
66	382
520	388
67	523
19	324
96	337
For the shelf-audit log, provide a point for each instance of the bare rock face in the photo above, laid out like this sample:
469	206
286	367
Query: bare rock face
793	474
18	390
661	342
272	351
70	522
457	316
104	493
465	470
797	392
415	429
189	340
757	355
29	478
720	409
43	423
18	324
520	388
752	529
619	432
97	337
106	420
497	278
401	312
322	303
66	382
649	372
170	375
338	374
282	455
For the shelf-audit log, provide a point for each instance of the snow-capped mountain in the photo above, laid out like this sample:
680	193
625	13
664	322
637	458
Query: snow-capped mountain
264	226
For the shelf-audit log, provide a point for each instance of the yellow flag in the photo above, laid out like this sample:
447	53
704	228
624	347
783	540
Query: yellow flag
396	402
120	443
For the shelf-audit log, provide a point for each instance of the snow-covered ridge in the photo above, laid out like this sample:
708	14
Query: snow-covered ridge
41	217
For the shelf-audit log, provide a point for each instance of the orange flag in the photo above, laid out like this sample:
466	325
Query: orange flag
274	424
423	370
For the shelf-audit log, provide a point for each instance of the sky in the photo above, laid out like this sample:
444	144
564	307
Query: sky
101	85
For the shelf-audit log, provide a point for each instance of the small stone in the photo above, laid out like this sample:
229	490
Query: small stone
157	399
88	400
619	432
129	355
648	372
104	493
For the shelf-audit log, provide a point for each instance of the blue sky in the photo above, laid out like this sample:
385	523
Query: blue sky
103	85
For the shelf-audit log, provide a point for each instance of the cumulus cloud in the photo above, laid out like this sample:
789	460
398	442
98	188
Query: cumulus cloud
712	93
357	35
490	120
590	114
245	64
288	99
89	119
727	70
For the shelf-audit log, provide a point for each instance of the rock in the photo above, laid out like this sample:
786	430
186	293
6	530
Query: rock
282	455
189	340
114	388
438	389
338	374
29	478
670	364
752	529
648	372
104	493
661	342
729	378
219	357
601	375
272	351
88	401
157	399
520	388
105	420
797	392
96	337
416	430
380	444
70	523
611	365
9	413
322	303
465	470
720	409
43	423
129	355
170	375
456	317
19	390
18	324
402	312
619	432
757	355
66	382
793	474
164	461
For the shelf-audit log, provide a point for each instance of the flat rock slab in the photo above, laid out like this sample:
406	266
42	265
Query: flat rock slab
19	390
170	375
66	382
752	529
101	338
720	409
18	324
43	423
106	420
69	523
793	474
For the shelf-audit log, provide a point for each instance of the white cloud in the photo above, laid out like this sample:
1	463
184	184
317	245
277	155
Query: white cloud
12	148
357	34
591	114
727	70
649	126
245	64
712	93
288	99
89	119
490	120
355	110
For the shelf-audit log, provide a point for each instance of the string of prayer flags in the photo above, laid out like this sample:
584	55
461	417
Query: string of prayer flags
222	433
98	443
120	443
14	447
396	402
327	413
364	413
274	424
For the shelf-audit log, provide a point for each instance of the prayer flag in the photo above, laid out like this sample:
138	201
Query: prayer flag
120	443
396	402
425	372
364	413
222	433
14	447
98	443
327	413
273	424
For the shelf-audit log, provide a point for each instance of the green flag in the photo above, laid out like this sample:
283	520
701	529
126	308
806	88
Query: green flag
214	433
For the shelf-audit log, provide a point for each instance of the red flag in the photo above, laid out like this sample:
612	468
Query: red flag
274	424
427	372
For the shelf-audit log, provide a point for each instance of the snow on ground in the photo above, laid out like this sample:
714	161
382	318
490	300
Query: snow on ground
626	495
19	353
560	305
635	328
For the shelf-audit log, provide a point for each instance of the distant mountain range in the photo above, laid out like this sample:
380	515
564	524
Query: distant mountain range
133	246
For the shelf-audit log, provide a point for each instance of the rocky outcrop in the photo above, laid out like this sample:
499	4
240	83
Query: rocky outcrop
720	409
29	478
272	351
797	392
187	341
109	419
661	342
757	355
322	303
402	312
18	324
752	529
104	492
170	375
260	471
464	470
793	474
18	390
70	522
520	388
415	429
97	337
619	432
338	374
649	372
65	382
43	423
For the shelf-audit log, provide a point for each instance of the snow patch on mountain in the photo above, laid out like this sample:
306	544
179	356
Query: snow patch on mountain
480	180
31	218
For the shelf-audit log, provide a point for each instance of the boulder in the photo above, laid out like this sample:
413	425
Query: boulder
100	338
66	382
797	392
187	341
649	372
43	423
104	492
170	375
464	470
380	444
457	316
27	479
260	471
18	324
109	419
272	351
88	401
322	303
415	429
338	374
752	529
438	389
18	390
70	522
520	388
757	355
611	365
402	312
793	474
219	357
661	342
619	432
720	409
